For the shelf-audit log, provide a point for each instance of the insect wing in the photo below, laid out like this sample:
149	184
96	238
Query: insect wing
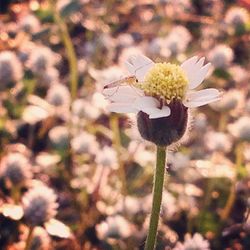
128	80
112	88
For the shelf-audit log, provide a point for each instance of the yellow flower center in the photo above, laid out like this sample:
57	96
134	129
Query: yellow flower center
165	80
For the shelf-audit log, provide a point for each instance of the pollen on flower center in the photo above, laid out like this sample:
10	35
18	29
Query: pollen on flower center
165	80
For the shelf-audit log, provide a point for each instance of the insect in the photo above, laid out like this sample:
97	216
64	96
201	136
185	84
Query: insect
115	85
129	80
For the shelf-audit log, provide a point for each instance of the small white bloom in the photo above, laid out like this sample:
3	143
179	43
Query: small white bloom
217	167
141	154
59	136
10	69
177	40
178	160
130	205
46	160
58	95
39	205
16	168
221	56
125	40
33	114
30	24
233	101
236	16
84	109
107	157
218	141
84	143
41	59
131	99
177	7
200	122
195	242
48	78
238	73
114	227
241	129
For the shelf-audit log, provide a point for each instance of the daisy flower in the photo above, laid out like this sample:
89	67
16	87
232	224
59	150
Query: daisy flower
160	95
168	82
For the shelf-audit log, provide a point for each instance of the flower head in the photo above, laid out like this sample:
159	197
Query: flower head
196	242
218	141
114	227
241	129
232	100
15	167
165	80
84	143
221	56
58	95
10	69
39	205
59	137
41	59
30	24
107	157
236	16
161	96
177	40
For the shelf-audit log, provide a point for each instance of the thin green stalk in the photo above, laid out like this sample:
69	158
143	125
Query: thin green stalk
223	122
232	195
114	124
157	197
29	238
15	193
69	49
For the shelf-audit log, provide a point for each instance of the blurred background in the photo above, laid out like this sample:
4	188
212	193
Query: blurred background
74	176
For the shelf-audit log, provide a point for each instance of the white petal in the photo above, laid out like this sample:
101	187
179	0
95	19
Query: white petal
139	65
158	113
57	228
119	93
146	102
199	76
203	94
194	71
142	60
189	63
139	61
122	108
201	62
130	67
195	104
149	105
202	97
122	98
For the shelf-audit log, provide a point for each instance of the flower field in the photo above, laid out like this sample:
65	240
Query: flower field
125	125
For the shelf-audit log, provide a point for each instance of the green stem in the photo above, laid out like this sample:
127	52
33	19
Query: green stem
15	193
29	238
223	122
69	49
114	124
157	197
232	195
